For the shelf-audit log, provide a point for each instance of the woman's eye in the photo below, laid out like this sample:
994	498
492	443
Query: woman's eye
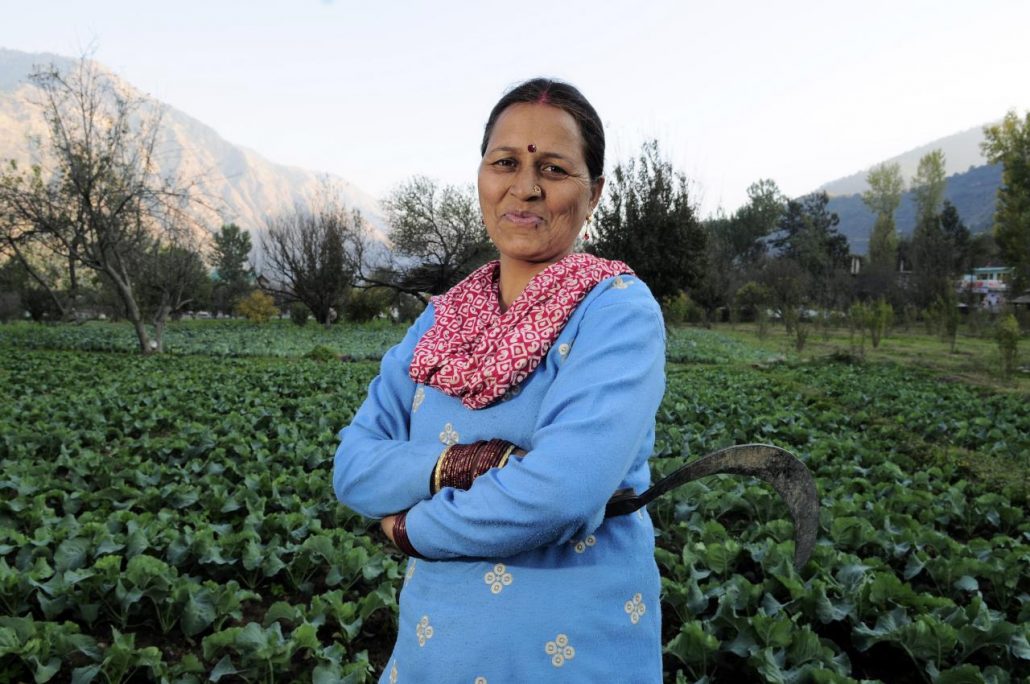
505	163
554	170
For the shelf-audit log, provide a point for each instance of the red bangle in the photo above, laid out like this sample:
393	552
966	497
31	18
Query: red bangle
400	536
461	464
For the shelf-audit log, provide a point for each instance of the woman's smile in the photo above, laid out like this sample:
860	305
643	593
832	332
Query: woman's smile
523	218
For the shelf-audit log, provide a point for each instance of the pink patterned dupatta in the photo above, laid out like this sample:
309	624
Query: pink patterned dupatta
476	353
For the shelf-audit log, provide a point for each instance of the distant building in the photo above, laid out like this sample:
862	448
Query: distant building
987	286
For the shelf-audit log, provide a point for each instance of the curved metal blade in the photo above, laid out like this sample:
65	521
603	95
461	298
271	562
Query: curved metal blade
780	468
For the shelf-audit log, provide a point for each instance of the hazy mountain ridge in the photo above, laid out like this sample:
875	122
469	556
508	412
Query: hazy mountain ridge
961	153
239	184
973	193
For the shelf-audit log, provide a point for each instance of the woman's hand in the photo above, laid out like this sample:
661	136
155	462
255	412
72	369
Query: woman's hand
387	526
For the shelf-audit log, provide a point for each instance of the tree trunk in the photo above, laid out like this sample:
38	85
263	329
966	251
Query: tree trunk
132	311
160	318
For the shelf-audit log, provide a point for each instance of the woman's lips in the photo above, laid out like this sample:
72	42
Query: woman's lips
522	218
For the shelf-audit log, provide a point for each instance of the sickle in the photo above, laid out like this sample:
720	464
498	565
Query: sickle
780	468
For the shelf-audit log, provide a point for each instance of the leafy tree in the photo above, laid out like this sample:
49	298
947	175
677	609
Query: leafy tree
736	245
229	255
437	235
808	236
1008	144
169	277
48	281
754	222
958	239
928	187
647	220
97	198
930	261
941	251
311	255
883	197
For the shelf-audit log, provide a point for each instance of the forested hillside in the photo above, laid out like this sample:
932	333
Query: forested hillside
972	193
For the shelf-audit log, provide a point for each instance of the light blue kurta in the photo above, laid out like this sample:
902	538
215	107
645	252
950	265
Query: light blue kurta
524	580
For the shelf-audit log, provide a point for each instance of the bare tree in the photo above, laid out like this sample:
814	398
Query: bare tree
98	198
312	255
437	235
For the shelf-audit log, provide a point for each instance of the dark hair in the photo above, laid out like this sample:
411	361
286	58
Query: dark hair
565	97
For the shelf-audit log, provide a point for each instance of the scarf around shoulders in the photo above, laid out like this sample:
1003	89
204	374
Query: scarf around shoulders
476	353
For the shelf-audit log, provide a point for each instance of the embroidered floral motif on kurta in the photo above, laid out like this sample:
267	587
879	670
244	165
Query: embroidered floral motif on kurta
498	578
560	650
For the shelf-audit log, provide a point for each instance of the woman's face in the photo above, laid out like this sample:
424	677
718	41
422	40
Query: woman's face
534	187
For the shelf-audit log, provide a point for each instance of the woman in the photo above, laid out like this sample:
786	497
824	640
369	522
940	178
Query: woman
497	430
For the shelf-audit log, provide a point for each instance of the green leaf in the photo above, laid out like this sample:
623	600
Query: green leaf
327	673
1019	646
306	636
770	664
963	674
222	668
693	645
806	646
927	638
252	638
283	611
776	632
9	642
967	583
44	672
85	675
71	554
198	613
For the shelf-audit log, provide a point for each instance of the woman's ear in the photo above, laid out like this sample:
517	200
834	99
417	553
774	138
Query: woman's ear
595	192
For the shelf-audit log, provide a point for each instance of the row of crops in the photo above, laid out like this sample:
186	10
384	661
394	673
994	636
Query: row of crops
284	339
171	519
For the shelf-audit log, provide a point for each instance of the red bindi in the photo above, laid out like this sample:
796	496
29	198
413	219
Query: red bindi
531	147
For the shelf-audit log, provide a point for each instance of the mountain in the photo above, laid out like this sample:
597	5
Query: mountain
961	153
973	193
244	186
972	187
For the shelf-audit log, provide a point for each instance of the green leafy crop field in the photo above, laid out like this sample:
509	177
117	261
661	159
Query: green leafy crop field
171	518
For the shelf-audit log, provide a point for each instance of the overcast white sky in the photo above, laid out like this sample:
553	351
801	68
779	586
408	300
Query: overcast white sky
800	92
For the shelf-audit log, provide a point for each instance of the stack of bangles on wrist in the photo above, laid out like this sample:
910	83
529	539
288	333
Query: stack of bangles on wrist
400	536
460	464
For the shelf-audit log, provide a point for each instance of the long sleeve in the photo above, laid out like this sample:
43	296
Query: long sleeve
596	419
377	469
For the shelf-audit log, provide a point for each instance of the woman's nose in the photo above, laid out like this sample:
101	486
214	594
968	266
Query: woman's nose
526	185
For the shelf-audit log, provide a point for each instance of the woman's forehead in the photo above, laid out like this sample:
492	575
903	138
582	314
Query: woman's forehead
549	128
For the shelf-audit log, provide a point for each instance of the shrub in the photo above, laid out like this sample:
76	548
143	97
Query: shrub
858	324
1007	336
10	307
681	309
299	313
363	305
408	308
880	317
322	353
257	307
752	300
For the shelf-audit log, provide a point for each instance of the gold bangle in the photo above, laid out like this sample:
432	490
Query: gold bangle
504	459
438	468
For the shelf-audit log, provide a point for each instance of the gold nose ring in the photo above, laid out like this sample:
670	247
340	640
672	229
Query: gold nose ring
537	190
